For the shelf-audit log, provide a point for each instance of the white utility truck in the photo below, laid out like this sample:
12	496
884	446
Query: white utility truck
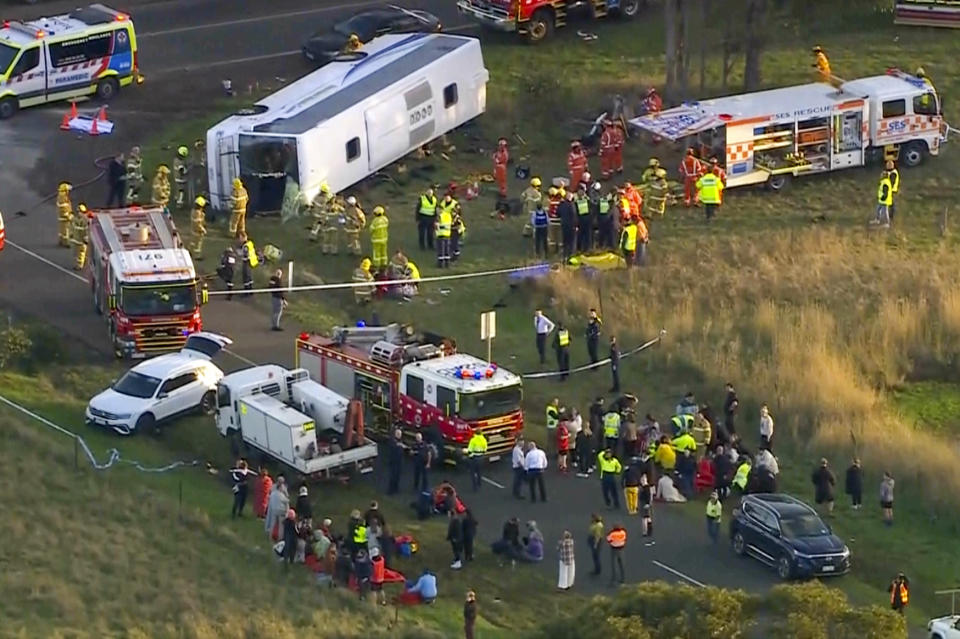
348	119
769	136
284	415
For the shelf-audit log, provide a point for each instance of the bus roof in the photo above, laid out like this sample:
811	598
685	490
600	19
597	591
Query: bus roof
337	86
80	20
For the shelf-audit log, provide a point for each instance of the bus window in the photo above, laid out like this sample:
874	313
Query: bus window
27	62
7	55
83	49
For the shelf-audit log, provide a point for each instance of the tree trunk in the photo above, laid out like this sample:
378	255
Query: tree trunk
676	14
670	31
685	8
704	29
755	24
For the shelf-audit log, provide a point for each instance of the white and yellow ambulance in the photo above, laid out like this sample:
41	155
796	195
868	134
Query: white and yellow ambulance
90	51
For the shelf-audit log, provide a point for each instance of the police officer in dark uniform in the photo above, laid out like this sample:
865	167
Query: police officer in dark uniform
567	213
593	336
228	263
540	221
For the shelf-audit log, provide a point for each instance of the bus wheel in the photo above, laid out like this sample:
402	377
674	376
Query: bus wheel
8	106
107	89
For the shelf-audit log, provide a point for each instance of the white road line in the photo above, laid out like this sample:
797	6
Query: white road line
240	357
275	16
493	483
72	274
679	574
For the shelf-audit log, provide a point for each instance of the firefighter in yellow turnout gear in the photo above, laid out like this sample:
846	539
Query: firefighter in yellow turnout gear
238	206
379	234
318	210
362	274
160	188
655	194
79	235
198	220
134	172
354	221
333	218
64	213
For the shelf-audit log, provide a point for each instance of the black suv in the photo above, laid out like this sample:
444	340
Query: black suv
786	533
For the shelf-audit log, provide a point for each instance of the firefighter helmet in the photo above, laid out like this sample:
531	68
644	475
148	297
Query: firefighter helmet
324	188
552	191
64	187
183	151
365	264
352	201
379	210
921	73
163	169
654	162
237	184
661	173
536	182
597	187
200	201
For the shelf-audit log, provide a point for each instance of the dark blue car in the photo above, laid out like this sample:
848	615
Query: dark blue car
789	535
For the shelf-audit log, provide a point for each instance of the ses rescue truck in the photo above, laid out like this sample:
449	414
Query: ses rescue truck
143	281
89	51
537	19
418	383
769	136
927	13
284	415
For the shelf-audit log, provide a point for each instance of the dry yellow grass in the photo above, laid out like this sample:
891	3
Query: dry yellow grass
818	323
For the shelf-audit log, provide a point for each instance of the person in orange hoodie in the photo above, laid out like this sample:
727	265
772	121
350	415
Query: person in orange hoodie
635	197
261	493
576	164
377	576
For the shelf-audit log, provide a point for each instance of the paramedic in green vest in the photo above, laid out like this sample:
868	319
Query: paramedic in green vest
884	201
610	469
444	228
584	221
476	450
742	476
561	342
605	218
628	241
611	429
426	212
894	174
709	188
682	423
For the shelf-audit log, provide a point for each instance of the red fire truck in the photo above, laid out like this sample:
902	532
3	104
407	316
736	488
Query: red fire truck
536	19
143	281
416	382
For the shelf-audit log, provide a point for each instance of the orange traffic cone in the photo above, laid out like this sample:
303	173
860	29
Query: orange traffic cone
102	116
65	122
73	110
93	128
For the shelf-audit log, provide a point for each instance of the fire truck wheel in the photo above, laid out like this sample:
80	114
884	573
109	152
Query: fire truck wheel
777	183
629	9
107	89
8	106
208	404
145	423
540	26
913	154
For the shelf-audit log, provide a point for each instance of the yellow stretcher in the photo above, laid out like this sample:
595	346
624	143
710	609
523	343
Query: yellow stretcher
599	261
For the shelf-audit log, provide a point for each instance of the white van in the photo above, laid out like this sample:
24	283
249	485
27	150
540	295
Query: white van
88	51
348	119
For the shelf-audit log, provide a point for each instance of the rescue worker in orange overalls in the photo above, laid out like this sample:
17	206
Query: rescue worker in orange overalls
652	103
690	170
500	159
635	197
822	64
607	140
720	173
619	137
576	164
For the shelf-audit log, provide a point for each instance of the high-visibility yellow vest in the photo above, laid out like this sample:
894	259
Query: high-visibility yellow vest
608	466
709	186
428	204
251	254
740	479
378	228
895	179
553	416
685	442
563	337
413	273
885	192
360	535
583	205
682	423
604	206
444	224
714	510
611	425
449	207
477	445
628	238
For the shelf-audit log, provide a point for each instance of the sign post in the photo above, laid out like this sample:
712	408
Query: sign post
488	330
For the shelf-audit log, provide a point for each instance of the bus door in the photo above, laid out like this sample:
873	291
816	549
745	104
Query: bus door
28	76
374	394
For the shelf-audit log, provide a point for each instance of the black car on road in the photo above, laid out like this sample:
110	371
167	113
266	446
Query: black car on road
789	535
326	46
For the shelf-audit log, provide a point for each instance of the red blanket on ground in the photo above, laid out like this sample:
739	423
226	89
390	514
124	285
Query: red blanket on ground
389	576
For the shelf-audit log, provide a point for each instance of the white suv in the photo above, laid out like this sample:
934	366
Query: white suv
162	388
944	627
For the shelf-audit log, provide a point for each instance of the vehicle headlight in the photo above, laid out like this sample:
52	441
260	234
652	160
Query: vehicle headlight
846	552
122	416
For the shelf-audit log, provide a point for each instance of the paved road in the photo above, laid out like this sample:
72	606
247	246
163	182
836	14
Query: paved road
187	47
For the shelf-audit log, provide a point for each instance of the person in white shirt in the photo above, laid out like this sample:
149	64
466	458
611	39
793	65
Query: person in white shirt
543	327
535	463
518	459
766	428
667	492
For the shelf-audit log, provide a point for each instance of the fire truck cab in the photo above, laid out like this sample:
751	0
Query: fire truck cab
418	383
143	281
